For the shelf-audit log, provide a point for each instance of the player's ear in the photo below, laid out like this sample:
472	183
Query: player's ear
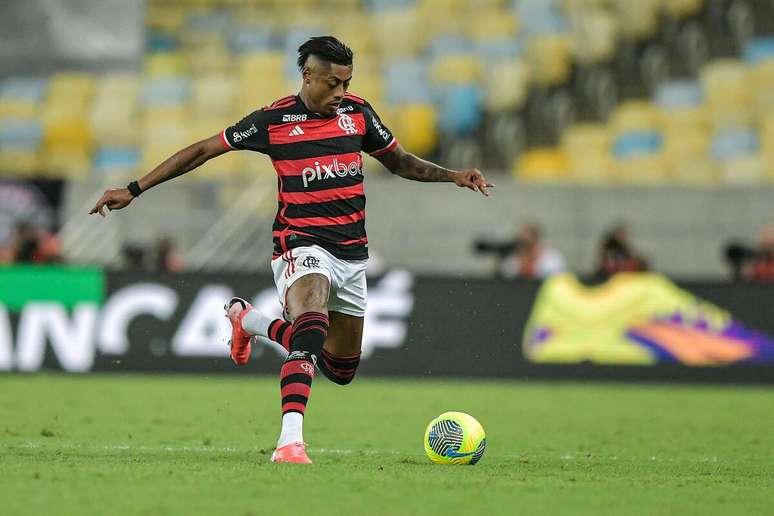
306	73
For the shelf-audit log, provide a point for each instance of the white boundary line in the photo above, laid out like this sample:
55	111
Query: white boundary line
195	449
579	456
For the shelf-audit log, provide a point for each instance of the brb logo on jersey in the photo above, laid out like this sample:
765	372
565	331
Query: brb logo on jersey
347	124
335	169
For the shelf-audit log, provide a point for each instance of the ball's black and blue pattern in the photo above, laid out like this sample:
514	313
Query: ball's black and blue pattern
455	438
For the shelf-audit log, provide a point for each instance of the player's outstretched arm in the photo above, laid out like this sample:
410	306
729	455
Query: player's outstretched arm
178	164
405	164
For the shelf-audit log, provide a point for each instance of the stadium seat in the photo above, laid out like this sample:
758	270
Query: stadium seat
213	94
506	84
405	80
446	44
456	69
727	91
66	162
587	147
642	169
492	24
396	32
74	133
493	50
767	140
678	94
113	115
116	162
20	97
548	59
261	64
460	109
633	116
733	143
686	151
165	91
541	16
20	134
762	82
633	144
759	50
369	87
167	17
417	127
160	41
209	19
637	144
210	60
541	165
594	32
165	64
681	9
743	170
246	39
637	20
19	162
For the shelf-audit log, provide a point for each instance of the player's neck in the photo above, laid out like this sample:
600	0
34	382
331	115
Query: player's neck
308	103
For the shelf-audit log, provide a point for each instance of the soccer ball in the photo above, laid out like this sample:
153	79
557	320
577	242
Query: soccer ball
455	438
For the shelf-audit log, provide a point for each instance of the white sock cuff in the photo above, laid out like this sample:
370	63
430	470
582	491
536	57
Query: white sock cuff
255	323
292	424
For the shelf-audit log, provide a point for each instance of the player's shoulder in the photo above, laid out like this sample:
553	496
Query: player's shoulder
285	102
355	102
284	110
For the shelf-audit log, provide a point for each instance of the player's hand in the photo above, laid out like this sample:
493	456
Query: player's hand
114	199
473	179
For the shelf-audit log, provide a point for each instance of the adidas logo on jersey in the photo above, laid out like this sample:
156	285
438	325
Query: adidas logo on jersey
297	131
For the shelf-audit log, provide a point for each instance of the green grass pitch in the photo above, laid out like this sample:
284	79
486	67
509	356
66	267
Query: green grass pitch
159	445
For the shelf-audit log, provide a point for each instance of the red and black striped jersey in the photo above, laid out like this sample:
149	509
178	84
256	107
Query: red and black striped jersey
319	170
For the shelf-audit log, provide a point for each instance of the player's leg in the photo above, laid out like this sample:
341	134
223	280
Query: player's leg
340	356
306	305
247	322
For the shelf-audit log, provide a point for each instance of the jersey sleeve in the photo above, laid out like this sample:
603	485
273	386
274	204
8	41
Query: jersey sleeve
250	133
378	139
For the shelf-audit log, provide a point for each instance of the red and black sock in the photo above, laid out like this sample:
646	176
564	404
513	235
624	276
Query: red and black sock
280	332
296	382
307	338
340	370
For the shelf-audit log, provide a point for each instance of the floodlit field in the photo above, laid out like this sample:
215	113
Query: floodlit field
200	445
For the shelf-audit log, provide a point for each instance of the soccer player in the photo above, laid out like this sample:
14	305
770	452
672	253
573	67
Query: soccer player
314	140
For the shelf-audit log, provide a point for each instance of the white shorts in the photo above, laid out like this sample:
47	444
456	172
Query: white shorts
347	277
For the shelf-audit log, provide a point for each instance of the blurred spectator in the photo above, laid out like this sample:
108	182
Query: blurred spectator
133	257
616	254
31	244
753	263
531	256
762	267
167	258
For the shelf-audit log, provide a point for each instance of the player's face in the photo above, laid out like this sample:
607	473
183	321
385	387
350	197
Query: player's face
326	86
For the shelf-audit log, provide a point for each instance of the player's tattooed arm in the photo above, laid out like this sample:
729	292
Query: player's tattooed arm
409	166
176	165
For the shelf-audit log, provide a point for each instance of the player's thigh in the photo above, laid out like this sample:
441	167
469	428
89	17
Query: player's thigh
345	334
309	293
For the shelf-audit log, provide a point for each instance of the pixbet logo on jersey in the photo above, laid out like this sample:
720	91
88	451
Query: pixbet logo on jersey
321	171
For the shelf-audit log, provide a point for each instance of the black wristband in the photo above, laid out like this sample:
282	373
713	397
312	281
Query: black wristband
134	188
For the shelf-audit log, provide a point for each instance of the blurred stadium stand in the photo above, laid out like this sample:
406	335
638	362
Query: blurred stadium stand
661	96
